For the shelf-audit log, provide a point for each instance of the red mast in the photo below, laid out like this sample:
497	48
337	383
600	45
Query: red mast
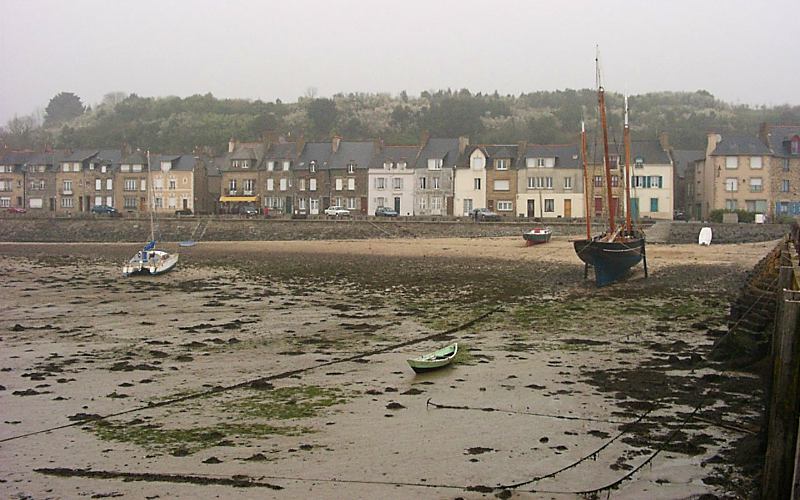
586	183
606	160
627	142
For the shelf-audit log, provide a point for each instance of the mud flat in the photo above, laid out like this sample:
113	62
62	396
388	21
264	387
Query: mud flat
277	369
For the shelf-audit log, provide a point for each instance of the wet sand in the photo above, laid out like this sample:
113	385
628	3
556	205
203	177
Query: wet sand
282	365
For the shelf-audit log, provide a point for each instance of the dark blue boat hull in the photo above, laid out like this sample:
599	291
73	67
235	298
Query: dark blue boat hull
611	260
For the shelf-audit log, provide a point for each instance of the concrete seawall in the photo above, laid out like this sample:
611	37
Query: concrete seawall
28	229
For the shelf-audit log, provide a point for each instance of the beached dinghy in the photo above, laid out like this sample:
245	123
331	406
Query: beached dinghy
434	360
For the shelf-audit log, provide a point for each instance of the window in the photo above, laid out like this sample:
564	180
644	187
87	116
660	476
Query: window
135	168
312	184
302	186
98	185
380	183
436	203
339	184
35	203
312	166
467	206
402	164
66	202
614	181
501	164
313	204
166	166
231	185
638	162
730	204
270	166
67	187
755	162
172	202
397	183
549	205
301	203
567	182
143	185
783	207
755	185
270	184
110	201
785	186
434	163
282	184
6	169
130	184
286	165
158	202
351	168
505	206
731	184
476	183
173	185
103	169
351	184
655	181
786	164
540	183
65	167
731	162
338	201
5	201
477	162
435	182
129	202
423	182
423	203
540	162
380	201
758	206
109	184
122	168
249	185
654	204
502	185
598	181
795	147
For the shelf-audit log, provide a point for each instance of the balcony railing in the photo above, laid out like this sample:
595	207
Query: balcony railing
756	189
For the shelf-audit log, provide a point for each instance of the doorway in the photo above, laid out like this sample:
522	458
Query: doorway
397	204
567	209
531	208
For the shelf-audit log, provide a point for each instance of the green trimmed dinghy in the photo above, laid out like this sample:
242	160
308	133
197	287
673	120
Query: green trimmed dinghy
434	360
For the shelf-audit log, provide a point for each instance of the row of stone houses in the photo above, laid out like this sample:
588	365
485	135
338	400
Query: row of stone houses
759	173
438	176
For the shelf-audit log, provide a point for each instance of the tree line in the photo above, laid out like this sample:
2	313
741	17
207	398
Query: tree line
174	124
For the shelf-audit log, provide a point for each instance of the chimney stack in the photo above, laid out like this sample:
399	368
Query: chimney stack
663	139
335	143
763	133
463	142
231	145
713	139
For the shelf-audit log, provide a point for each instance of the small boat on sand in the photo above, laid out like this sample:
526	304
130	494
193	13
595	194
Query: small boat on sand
537	236
434	360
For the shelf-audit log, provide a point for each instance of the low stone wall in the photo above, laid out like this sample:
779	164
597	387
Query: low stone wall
102	229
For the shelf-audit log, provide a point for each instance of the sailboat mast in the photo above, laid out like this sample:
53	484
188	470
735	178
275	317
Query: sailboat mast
601	101
586	182
627	143
150	199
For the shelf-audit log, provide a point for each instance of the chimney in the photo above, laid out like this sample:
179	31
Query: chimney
663	139
713	140
463	142
335	143
424	137
231	145
300	144
763	133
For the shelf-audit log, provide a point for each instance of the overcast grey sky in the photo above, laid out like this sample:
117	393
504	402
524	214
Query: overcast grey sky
742	51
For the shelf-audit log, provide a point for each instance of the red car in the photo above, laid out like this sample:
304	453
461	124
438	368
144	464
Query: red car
16	210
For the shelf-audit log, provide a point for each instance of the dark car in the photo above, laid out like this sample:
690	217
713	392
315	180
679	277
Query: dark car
248	210
183	211
484	214
105	210
385	212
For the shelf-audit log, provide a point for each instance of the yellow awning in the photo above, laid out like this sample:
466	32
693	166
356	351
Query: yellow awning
238	198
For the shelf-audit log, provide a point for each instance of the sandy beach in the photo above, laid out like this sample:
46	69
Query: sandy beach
278	370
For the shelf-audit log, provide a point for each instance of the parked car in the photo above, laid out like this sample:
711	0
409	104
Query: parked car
16	210
105	210
248	210
484	214
678	215
183	211
337	211
385	212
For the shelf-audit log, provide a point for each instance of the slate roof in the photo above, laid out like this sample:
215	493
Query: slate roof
685	157
314	151
395	154
80	155
779	136
17	157
51	160
360	153
282	151
734	145
135	158
501	151
566	155
444	148
181	163
650	151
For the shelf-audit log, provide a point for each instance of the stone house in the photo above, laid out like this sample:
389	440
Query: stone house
240	175
101	177
131	187
176	181
40	182
652	180
311	175
549	181
74	194
348	173
783	142
501	178
391	179
12	178
469	181
433	175
278	179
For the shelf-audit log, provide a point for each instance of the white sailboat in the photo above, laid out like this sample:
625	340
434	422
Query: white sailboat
148	260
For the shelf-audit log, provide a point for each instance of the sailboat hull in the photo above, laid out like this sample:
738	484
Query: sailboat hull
611	260
159	262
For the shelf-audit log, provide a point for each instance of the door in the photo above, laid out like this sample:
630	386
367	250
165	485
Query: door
531	208
185	203
288	206
567	209
634	208
326	202
397	204
364	204
598	207
313	206
52	204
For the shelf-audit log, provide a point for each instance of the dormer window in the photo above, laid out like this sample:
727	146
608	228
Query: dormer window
638	162
401	164
240	163
137	168
795	146
312	166
351	168
286	165
501	164
434	163
270	166
387	165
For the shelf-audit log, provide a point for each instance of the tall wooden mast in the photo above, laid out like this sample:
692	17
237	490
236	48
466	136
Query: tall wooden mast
627	141
601	100
586	182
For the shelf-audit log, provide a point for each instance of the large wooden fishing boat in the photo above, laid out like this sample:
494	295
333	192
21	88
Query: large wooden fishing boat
614	252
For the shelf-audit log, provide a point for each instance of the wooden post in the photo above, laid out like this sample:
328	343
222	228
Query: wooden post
783	397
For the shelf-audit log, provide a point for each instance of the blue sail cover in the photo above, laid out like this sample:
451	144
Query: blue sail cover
151	245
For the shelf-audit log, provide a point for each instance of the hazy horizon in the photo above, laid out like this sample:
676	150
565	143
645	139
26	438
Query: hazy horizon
740	53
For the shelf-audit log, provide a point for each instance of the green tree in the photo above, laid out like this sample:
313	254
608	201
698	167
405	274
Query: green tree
62	108
322	114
